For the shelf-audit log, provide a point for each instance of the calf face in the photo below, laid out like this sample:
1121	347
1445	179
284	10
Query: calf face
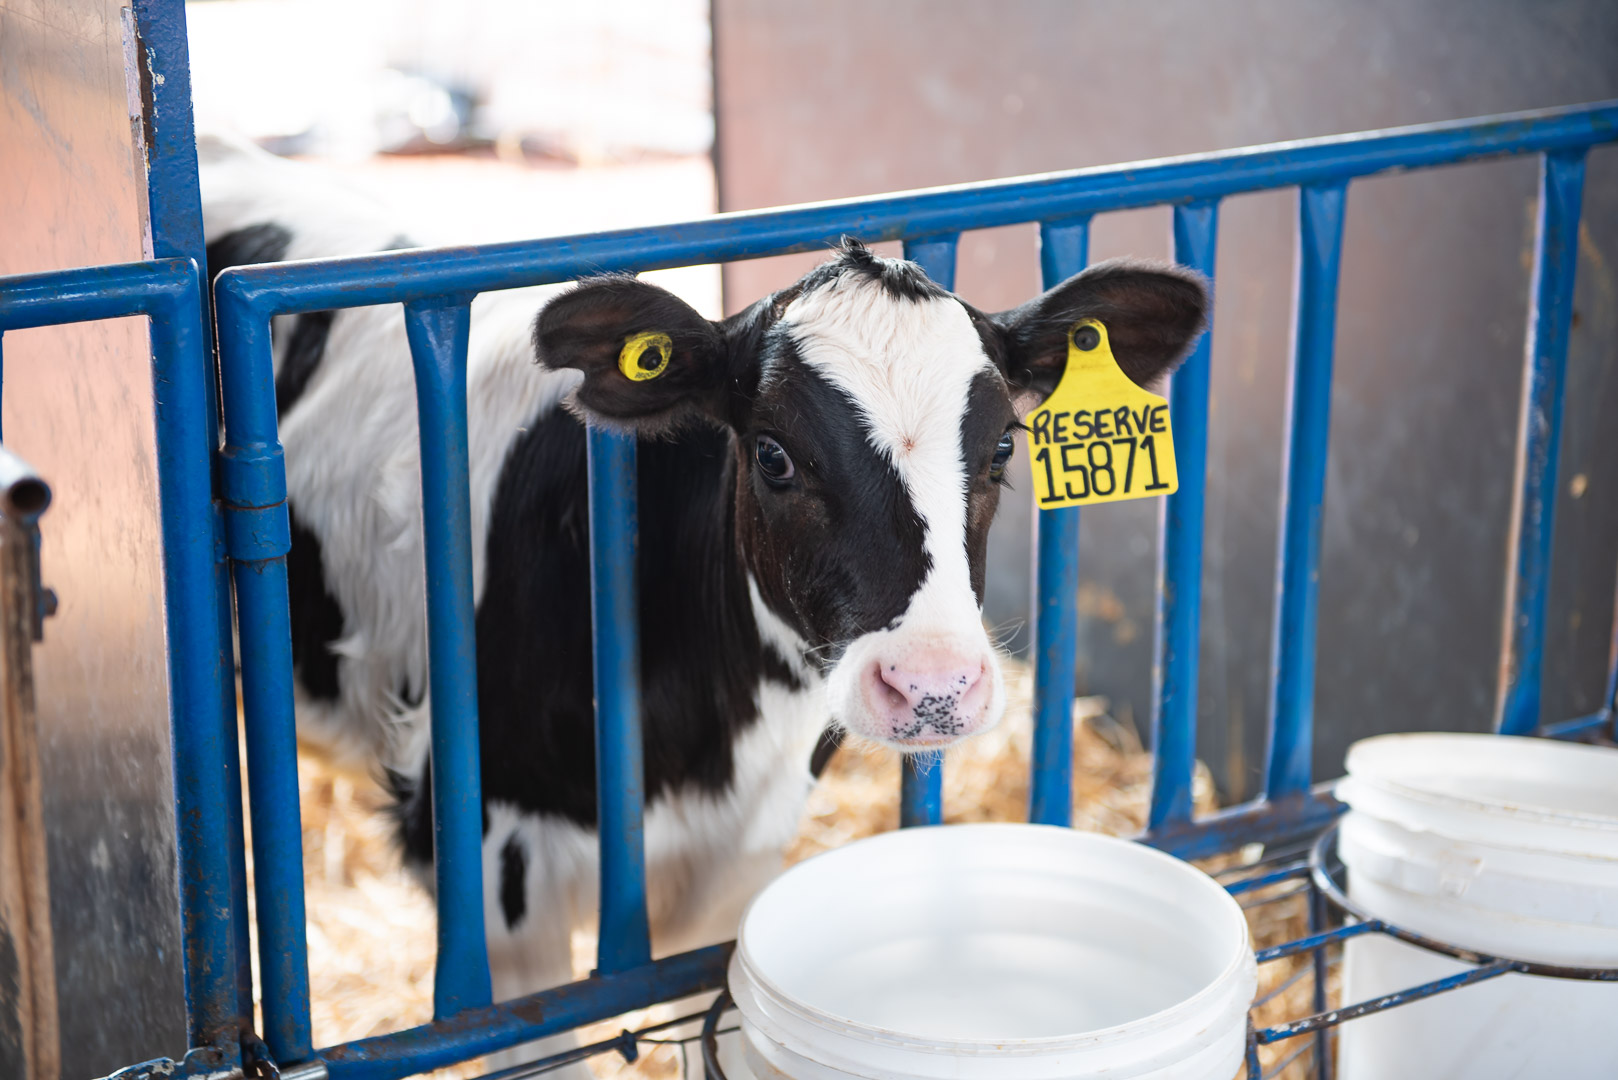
873	413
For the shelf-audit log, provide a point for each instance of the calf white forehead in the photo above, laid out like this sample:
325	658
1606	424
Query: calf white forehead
907	365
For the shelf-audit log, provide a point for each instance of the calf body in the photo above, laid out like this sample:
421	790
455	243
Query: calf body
817	476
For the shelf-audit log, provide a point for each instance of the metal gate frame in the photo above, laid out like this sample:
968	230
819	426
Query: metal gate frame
436	289
234	505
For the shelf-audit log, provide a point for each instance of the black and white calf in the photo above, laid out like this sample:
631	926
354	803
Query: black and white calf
817	478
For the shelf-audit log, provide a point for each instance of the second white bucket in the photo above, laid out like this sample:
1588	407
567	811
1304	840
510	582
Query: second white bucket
1508	846
993	952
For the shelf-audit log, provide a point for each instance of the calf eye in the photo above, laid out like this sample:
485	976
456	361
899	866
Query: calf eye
773	461
1002	454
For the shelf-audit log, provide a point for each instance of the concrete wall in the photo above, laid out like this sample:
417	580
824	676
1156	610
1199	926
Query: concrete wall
845	98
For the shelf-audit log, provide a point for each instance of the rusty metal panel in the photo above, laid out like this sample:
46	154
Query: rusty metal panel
843	98
77	402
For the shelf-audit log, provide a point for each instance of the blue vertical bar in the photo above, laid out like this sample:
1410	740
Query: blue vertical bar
236	842
921	790
173	194
625	939
258	534
1179	567
272	777
1303	480
1325	1068
438	330
203	743
1550	314
936	255
1064	249
921	783
174	204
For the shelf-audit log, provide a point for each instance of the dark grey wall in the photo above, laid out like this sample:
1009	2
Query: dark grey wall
845	97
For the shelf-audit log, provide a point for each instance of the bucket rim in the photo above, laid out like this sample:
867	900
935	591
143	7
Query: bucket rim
1370	753
1225	983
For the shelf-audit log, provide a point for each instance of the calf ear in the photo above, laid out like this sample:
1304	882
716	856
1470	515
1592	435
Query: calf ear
1153	313
649	360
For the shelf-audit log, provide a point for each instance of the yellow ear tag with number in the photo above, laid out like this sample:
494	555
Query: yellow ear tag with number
645	356
1099	438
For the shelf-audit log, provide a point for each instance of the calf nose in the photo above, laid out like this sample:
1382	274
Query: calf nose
932	698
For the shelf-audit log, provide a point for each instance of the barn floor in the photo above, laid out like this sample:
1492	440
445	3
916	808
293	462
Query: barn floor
371	929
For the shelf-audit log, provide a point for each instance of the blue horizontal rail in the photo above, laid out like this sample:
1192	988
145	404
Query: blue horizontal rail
485	1030
396	277
436	284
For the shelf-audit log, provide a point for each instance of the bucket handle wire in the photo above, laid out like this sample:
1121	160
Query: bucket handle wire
710	1037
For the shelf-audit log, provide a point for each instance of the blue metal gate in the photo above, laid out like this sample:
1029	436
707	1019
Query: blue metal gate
244	517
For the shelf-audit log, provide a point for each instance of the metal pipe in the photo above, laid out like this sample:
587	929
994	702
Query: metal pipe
1325	1067
1323	1020
438	331
1064	249
1303	471
921	791
921	777
273	806
258	537
1256	822
397	277
1533	509
507	1023
201	687
174	204
1179	561
32	1042
23	495
624	938
1568	729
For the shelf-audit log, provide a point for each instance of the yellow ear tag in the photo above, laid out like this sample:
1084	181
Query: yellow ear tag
1099	438
645	356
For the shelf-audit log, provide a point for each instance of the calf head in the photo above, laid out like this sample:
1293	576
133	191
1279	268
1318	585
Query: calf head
873	414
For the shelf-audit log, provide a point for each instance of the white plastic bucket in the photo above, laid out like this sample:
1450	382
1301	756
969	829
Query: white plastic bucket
1508	846
1011	952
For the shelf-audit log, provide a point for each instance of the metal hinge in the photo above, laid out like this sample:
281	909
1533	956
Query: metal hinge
257	1064
209	1063
199	1063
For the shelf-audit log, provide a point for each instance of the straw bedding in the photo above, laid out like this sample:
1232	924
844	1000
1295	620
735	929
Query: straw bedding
371	928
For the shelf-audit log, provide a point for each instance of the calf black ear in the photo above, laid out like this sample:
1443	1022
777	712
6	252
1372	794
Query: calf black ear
649	360
1153	313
